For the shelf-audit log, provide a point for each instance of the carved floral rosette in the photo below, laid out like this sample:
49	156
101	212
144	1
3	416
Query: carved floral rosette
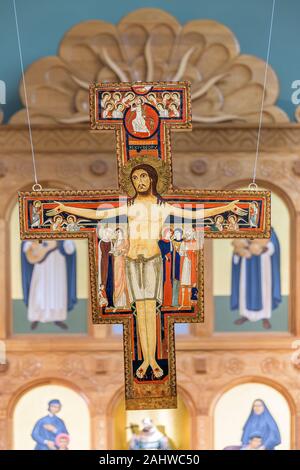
150	45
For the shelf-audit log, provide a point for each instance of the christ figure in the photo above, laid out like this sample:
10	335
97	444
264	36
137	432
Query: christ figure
139	123
146	212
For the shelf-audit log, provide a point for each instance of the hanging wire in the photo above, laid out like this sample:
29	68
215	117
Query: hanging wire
253	185
36	186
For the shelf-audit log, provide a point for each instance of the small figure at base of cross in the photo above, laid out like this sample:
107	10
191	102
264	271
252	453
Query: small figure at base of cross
148	204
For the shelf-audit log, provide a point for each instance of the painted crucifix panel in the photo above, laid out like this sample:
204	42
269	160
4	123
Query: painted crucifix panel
145	238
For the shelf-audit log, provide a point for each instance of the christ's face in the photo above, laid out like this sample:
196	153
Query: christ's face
141	181
258	407
117	96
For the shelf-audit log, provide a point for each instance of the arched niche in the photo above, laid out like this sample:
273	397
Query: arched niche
282	212
31	404
233	406
19	322
178	424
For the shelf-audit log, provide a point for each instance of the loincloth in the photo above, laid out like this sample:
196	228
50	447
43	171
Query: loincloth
145	278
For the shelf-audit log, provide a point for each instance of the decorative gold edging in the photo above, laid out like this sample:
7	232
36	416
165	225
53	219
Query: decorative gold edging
151	403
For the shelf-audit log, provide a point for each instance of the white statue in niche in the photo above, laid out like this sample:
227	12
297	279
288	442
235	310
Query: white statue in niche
149	438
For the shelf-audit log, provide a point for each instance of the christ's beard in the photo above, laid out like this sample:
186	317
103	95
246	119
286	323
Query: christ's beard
141	192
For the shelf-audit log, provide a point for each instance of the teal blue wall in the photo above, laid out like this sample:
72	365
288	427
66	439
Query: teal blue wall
43	23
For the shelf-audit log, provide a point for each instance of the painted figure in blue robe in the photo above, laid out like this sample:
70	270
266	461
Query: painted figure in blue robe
167	253
169	247
262	425
255	281
105	266
49	280
48	428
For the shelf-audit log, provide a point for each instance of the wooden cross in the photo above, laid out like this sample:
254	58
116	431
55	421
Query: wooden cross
145	237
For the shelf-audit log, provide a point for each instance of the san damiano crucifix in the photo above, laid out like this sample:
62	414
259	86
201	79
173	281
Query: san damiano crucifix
145	237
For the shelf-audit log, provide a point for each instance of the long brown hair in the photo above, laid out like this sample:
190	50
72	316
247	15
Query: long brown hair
154	179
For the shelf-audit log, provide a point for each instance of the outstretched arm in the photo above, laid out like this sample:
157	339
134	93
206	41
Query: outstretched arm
231	207
200	214
97	214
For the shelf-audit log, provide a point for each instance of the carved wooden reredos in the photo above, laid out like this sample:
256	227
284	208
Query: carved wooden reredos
150	44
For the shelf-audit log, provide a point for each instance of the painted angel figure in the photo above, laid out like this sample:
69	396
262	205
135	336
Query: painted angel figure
233	224
108	110
72	225
57	224
152	99
218	225
175	97
118	112
174	111
163	112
